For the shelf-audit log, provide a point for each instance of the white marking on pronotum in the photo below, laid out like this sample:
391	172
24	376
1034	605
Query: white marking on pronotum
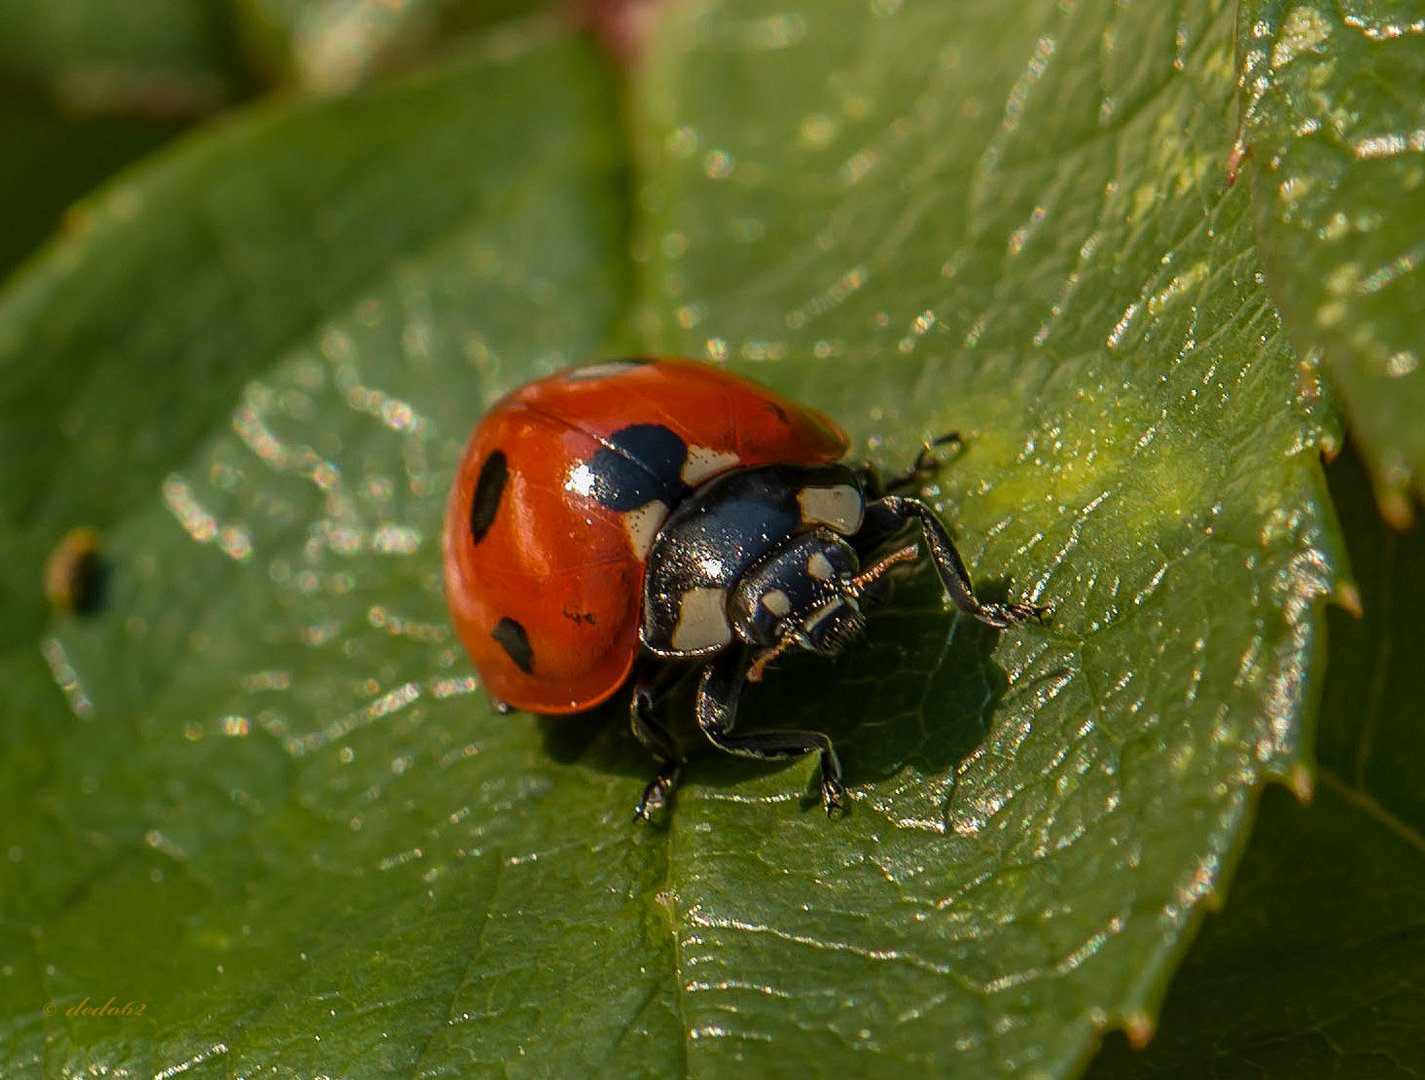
839	507
642	525
702	462
702	621
603	370
775	601
819	566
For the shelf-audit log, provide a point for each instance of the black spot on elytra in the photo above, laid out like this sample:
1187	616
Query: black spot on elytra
488	488
645	463
511	637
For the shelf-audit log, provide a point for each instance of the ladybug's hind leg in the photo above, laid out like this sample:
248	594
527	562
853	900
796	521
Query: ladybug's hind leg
718	691
648	689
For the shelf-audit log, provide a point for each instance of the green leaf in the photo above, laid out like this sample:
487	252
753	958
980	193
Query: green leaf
1315	965
1334	129
1023	233
253	374
258	796
158	59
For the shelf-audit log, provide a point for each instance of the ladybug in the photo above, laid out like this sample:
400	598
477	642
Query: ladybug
625	521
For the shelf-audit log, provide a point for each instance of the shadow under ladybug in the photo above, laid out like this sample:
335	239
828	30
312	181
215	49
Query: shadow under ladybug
919	692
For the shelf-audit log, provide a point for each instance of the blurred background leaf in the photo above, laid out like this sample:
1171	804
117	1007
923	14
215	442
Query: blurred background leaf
88	86
159	59
332	46
54	159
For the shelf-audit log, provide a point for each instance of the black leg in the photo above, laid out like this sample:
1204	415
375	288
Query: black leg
926	464
718	690
647	690
881	525
950	567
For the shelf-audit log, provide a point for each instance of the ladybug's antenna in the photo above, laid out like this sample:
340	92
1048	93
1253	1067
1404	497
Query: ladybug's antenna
867	577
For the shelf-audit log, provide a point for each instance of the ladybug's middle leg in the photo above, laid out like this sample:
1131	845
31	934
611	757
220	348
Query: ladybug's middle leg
718	691
648	688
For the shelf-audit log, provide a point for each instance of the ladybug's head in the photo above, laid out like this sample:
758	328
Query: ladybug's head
804	595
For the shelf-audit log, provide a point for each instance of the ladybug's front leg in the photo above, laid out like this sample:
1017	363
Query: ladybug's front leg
718	691
646	692
927	463
880	526
900	510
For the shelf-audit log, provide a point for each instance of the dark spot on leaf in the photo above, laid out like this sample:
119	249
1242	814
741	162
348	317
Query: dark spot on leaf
76	575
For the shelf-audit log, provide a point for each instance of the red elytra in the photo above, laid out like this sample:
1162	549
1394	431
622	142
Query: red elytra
543	576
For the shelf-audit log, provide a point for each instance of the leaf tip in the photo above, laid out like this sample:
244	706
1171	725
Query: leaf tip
1302	784
1138	1027
1330	445
1396	509
1347	596
1392	477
